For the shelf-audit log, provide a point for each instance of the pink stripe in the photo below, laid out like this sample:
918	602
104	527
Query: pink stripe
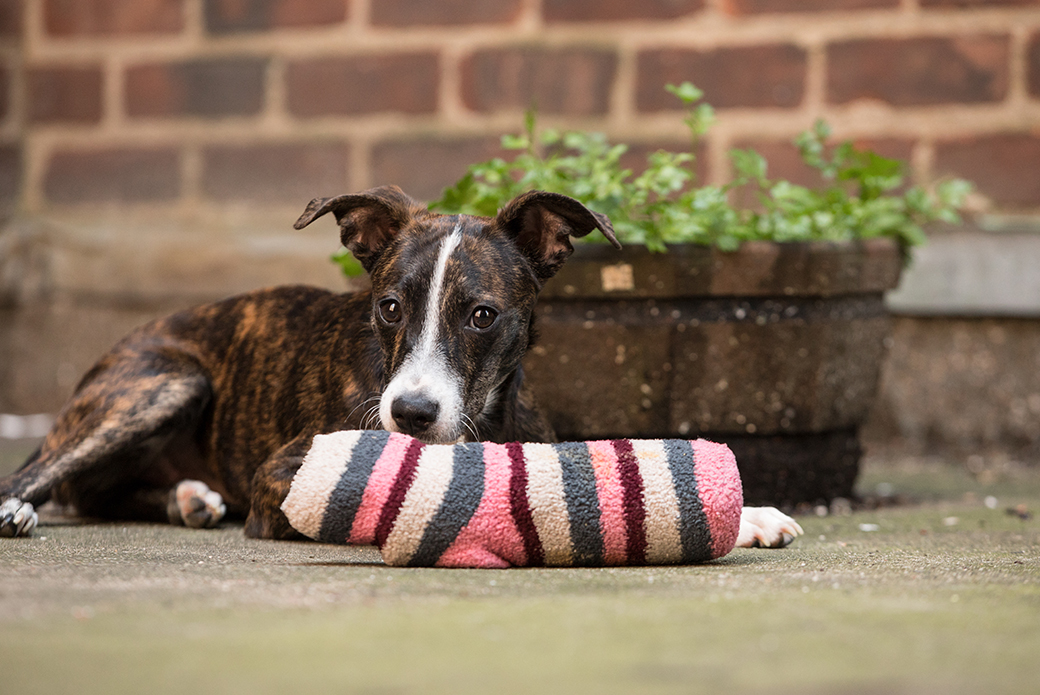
380	483
491	538
721	493
611	502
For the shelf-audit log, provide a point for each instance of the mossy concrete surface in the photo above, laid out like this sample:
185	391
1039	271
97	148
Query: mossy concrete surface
938	596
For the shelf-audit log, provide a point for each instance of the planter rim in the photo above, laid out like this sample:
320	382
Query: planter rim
756	269
749	245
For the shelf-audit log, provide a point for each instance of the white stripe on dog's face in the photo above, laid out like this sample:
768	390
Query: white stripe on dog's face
426	370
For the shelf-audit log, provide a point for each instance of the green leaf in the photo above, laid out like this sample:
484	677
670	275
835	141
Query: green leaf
750	165
954	192
515	142
686	92
349	265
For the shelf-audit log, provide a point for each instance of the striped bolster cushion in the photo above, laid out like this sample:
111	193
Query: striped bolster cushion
618	502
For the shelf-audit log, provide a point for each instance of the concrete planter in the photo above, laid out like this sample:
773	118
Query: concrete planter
774	349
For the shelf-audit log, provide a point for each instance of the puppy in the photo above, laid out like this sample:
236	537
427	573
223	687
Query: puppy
210	411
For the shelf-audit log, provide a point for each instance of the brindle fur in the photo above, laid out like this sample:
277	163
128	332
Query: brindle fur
232	393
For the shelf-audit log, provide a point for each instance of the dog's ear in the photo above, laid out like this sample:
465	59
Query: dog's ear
367	220
542	224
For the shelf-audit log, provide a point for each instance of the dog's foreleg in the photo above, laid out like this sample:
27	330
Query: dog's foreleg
102	438
17	518
270	487
193	504
766	527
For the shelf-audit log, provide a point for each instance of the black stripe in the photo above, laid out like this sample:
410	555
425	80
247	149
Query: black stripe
694	531
460	503
579	489
346	498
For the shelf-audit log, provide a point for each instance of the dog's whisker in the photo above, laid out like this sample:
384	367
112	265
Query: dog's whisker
371	419
471	426
360	405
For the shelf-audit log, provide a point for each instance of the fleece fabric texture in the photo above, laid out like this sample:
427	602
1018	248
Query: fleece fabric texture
616	502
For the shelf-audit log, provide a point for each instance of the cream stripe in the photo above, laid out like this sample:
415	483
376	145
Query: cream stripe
663	542
311	489
432	478
545	496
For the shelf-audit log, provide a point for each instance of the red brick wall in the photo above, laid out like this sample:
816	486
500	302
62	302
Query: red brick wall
10	151
195	103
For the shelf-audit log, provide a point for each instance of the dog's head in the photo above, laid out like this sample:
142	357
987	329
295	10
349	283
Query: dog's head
453	296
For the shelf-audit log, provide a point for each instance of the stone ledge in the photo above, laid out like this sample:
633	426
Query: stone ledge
136	260
974	272
71	286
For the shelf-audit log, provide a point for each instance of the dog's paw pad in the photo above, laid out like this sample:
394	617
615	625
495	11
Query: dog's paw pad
193	504
17	518
766	527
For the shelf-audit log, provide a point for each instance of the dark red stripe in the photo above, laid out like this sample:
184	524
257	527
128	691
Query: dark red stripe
635	513
405	477
521	508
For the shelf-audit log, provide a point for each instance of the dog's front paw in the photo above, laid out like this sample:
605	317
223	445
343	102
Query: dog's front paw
17	518
193	504
766	527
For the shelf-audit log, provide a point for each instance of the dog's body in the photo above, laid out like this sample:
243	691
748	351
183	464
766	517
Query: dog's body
212	409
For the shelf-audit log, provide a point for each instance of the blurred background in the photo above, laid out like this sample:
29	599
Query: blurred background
154	154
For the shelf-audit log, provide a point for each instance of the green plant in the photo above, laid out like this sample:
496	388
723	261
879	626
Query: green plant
863	196
643	209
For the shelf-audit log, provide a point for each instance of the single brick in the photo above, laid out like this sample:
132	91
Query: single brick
739	77
402	82
283	172
10	173
112	17
10	18
893	148
207	87
575	81
919	71
1003	167
112	175
423	168
1033	65
400	13
233	16
742	7
69	94
615	10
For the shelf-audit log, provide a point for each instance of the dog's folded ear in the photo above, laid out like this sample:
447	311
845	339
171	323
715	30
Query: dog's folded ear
542	224
367	220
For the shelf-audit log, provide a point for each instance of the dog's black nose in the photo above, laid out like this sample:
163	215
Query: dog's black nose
414	413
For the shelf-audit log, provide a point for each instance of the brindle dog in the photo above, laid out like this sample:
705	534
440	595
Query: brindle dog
212	409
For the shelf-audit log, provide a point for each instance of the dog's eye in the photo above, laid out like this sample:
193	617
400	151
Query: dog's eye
390	310
483	318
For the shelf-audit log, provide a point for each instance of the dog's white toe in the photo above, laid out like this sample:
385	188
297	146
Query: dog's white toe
193	504
766	527
17	518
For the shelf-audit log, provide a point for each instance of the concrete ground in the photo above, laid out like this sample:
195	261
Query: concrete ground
941	595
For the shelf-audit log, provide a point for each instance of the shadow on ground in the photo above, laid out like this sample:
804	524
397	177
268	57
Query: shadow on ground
941	596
